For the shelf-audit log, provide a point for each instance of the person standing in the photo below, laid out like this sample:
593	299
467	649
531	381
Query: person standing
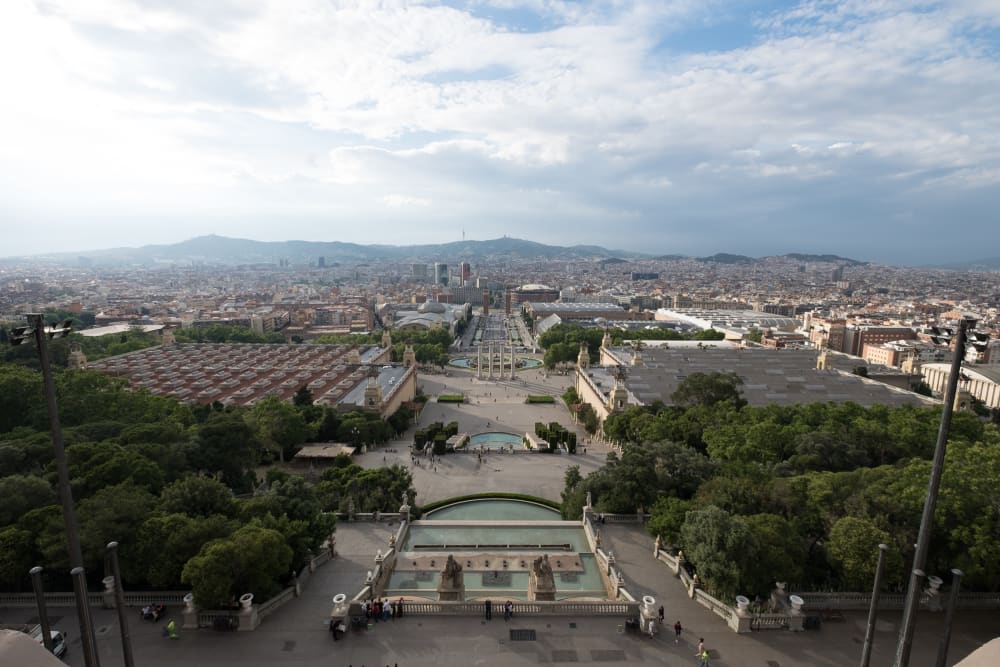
661	614
677	632
489	610
172	629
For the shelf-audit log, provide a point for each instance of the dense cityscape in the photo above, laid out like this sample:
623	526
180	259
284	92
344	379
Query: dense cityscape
500	333
298	379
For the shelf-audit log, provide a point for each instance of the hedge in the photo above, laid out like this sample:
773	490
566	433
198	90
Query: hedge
451	398
541	399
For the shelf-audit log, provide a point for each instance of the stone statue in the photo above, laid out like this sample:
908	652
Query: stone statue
541	582
452	575
542	569
589	504
452	585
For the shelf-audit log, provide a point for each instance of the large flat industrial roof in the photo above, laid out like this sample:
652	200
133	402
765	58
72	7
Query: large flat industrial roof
782	377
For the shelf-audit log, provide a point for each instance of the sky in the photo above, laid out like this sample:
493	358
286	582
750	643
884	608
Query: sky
869	128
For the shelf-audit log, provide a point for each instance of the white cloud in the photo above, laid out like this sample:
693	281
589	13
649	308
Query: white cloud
404	201
307	106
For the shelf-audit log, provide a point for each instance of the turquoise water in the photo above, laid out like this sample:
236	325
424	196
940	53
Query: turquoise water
495	440
581	584
493	510
427	533
516	529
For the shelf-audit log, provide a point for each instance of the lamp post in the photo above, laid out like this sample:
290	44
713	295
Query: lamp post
904	645
42	333
120	605
43	612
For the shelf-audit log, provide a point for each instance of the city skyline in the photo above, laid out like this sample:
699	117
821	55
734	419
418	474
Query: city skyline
858	129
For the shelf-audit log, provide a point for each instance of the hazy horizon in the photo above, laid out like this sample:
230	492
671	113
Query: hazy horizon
865	130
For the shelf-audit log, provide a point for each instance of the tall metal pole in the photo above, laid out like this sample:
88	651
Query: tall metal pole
37	323
65	492
949	617
89	644
866	653
927	520
43	612
120	605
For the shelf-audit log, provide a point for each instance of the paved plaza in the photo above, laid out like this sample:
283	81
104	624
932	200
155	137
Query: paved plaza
296	635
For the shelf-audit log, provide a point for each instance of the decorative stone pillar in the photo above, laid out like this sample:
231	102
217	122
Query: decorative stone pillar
933	593
796	616
189	617
108	600
657	545
249	620
479	362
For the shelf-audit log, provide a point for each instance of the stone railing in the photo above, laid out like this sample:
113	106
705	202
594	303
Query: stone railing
768	622
270	606
376	517
522	608
132	599
218	620
894	601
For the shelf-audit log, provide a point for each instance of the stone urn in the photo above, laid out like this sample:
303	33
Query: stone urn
189	601
796	603
742	605
935	583
109	584
648	606
246	601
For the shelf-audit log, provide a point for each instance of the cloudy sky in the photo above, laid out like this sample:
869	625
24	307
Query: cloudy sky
867	128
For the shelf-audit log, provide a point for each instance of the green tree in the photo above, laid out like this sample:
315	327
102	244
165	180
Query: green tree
114	513
167	542
853	547
780	552
197	497
227	447
22	493
721	547
251	560
708	389
667	518
303	397
17	556
279	426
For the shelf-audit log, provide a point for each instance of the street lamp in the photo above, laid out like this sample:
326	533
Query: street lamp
905	642
37	328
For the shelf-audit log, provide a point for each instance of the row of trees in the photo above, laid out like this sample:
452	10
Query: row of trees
801	493
162	478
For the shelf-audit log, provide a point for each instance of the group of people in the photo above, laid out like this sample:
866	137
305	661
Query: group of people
384	610
508	610
153	612
702	653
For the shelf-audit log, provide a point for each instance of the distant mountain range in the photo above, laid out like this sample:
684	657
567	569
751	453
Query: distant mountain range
226	251
221	250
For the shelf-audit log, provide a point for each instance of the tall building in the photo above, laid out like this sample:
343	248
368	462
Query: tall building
466	272
321	262
440	274
418	270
